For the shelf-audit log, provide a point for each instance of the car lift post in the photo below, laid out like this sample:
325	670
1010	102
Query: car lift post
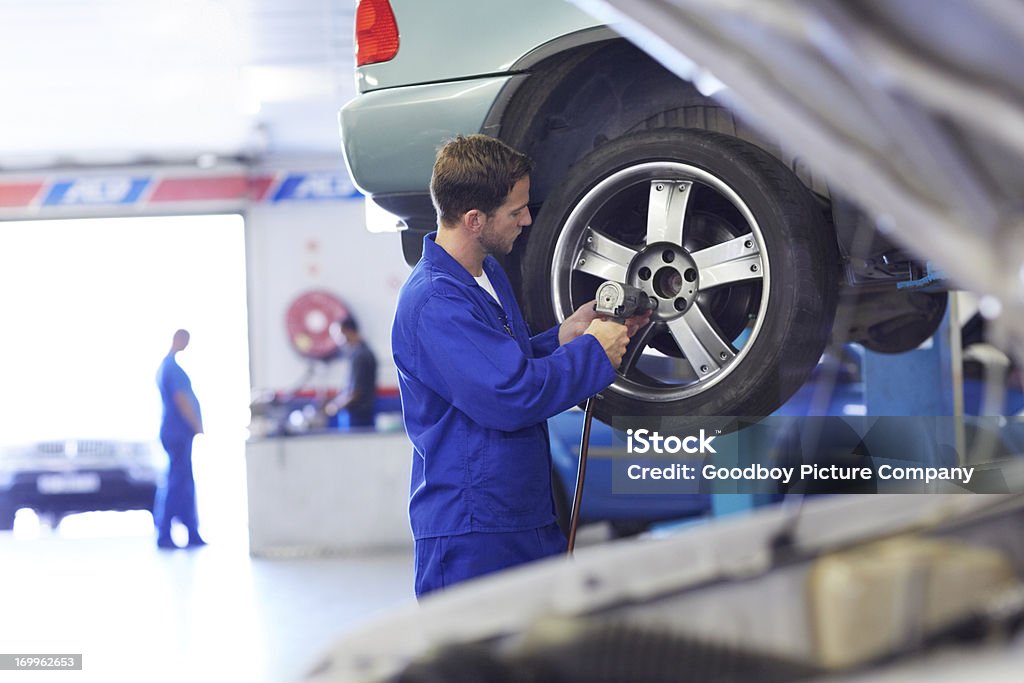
925	381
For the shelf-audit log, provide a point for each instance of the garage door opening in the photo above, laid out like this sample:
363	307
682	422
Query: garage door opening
89	308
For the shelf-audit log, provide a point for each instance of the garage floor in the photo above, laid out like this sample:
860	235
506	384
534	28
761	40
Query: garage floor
137	613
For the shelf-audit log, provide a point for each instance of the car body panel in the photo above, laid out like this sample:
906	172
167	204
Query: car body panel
465	50
390	157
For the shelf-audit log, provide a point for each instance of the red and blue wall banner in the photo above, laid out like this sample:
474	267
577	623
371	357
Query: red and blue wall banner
140	192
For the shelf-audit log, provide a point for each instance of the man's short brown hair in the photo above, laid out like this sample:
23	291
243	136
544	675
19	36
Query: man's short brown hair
474	172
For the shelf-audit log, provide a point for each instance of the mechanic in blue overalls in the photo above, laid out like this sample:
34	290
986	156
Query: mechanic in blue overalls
476	387
182	420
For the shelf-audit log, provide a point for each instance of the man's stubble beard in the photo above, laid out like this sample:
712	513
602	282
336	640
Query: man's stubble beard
496	248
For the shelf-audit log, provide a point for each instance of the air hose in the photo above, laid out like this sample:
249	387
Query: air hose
574	518
618	302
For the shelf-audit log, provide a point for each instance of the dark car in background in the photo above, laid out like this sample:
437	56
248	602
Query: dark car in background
62	477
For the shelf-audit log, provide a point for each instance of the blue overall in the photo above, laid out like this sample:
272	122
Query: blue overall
176	497
476	392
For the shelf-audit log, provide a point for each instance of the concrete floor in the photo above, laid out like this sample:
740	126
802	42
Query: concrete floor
97	585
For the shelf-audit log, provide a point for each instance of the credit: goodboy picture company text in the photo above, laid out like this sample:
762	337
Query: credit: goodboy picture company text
785	475
706	461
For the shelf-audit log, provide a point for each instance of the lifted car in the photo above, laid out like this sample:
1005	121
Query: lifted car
641	177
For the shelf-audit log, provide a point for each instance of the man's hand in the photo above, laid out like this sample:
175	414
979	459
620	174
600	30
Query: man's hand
337	404
614	339
330	408
637	322
577	323
188	412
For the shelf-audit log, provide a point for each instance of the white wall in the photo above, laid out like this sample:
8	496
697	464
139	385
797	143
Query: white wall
314	239
89	308
298	246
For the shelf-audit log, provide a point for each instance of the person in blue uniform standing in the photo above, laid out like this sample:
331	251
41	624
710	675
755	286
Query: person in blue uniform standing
182	420
477	387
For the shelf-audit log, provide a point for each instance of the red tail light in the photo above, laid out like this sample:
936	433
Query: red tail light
376	32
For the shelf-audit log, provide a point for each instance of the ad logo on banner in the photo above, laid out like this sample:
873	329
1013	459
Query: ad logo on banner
315	186
96	191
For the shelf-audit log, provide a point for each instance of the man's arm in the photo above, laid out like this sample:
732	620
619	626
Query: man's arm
342	401
483	372
185	407
335	405
364	372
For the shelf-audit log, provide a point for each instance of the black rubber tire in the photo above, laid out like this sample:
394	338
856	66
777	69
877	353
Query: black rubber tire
908	331
796	241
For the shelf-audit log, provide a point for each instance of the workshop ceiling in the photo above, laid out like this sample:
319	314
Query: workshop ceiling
102	82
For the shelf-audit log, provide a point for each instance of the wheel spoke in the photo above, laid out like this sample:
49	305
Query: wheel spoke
730	262
666	211
700	342
604	257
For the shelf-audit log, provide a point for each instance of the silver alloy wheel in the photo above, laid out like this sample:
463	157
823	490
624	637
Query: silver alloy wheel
678	278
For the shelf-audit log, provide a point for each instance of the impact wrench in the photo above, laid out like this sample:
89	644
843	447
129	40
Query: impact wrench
618	302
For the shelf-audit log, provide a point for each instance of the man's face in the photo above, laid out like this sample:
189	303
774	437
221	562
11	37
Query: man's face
502	228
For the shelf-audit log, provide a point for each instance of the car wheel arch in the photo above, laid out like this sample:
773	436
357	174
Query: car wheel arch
544	117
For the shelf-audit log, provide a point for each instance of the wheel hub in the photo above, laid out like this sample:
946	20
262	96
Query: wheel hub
667	273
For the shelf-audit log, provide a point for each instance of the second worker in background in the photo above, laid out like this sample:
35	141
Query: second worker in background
355	406
477	387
